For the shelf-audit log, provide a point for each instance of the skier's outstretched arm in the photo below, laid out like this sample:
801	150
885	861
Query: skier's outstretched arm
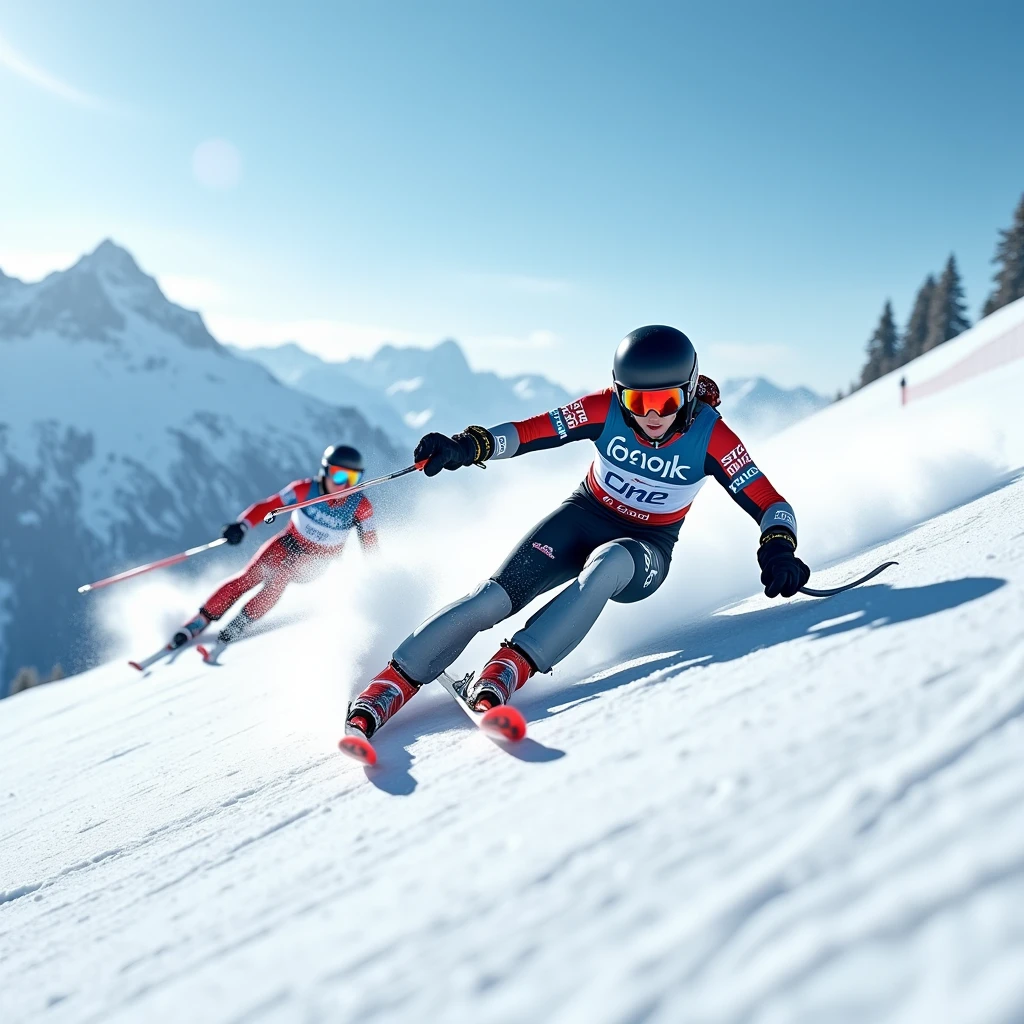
580	420
729	462
253	515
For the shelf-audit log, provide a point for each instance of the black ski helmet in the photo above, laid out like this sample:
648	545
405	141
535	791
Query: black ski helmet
656	357
344	456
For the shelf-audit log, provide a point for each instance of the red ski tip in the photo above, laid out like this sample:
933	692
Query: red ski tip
505	722
359	749
135	665
204	652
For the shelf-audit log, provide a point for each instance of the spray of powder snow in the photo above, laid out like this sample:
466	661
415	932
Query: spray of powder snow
853	479
856	476
325	639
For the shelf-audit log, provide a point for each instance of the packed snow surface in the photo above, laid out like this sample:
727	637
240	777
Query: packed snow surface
779	811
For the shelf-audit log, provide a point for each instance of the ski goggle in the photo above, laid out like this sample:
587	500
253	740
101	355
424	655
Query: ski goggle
339	475
663	401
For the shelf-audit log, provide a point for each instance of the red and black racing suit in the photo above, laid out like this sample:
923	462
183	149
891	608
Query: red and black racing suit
613	537
299	554
637	492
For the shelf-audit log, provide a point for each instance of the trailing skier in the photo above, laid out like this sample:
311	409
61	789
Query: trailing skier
315	535
658	438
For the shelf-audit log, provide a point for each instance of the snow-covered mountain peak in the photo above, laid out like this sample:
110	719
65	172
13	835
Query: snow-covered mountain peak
111	261
98	299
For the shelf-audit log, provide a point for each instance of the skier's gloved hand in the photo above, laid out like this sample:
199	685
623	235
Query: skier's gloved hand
781	571
472	445
234	532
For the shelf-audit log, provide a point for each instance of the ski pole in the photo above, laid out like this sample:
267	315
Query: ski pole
139	570
341	495
847	586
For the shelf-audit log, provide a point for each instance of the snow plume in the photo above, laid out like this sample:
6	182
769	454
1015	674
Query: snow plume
858	472
438	539
135	618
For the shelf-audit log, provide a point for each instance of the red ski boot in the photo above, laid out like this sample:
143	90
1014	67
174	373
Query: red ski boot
501	677
386	693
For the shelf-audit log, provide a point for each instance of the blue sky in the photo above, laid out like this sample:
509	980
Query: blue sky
531	178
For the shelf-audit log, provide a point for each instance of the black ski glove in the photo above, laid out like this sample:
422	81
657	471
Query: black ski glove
781	571
234	532
472	445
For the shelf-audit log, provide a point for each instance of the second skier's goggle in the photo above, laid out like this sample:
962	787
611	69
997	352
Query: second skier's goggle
663	401
344	476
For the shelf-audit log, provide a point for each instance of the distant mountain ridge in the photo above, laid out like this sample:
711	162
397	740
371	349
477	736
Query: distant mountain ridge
756	407
128	432
406	391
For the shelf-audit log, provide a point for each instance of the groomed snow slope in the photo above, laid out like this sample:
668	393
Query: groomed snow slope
800	811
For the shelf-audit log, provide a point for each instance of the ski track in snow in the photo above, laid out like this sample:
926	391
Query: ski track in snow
800	812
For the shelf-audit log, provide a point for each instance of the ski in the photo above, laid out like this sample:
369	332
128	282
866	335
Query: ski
212	653
141	666
355	744
503	722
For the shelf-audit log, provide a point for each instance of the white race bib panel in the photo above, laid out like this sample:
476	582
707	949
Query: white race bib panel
326	524
650	485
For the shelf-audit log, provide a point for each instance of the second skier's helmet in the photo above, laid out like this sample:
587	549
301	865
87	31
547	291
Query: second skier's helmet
654	359
341	463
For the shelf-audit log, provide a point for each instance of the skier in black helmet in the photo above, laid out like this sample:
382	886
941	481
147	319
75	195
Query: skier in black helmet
658	438
299	553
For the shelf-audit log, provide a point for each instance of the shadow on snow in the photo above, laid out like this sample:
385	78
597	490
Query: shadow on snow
724	637
717	639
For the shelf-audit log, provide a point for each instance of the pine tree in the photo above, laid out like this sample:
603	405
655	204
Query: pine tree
881	348
1009	278
947	317
25	679
917	326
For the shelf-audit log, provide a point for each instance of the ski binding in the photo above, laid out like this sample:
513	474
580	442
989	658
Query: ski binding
502	722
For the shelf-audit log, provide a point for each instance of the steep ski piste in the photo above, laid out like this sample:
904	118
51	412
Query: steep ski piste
776	811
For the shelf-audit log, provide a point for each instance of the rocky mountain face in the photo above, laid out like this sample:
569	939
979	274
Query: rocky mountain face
127	432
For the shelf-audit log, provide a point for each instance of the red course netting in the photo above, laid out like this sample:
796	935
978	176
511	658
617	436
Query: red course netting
995	353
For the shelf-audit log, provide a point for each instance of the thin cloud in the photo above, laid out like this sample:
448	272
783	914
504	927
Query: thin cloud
190	290
534	341
329	339
21	66
521	283
35	264
738	359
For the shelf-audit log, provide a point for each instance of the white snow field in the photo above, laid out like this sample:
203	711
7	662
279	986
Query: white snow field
781	811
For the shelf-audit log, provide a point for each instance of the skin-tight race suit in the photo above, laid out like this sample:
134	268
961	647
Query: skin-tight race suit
298	554
613	536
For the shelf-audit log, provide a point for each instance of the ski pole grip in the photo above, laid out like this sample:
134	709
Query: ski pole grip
421	463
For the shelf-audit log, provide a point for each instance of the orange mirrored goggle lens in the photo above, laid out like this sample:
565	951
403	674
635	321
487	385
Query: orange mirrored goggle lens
664	402
345	476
